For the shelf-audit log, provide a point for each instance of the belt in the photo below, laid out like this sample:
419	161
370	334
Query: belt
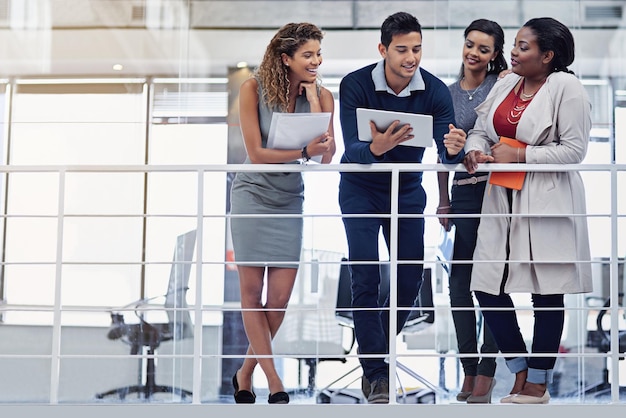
470	180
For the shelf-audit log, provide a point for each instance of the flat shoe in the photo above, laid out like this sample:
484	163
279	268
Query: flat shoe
278	398
242	396
527	399
508	398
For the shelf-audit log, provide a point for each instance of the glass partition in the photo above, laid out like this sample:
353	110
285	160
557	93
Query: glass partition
118	135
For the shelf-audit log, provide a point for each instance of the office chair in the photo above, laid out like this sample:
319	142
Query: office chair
601	339
343	315
309	332
149	336
422	316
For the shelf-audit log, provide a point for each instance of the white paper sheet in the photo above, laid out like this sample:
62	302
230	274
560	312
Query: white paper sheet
295	130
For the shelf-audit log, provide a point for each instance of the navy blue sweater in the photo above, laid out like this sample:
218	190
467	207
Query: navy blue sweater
357	90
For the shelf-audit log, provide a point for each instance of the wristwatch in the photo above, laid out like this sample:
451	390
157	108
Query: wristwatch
305	154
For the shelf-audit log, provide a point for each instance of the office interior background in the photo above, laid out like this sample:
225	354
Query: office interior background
119	139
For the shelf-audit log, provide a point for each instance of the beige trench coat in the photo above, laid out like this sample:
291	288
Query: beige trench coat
556	125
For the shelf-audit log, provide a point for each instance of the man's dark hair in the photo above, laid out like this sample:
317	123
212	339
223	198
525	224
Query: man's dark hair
398	24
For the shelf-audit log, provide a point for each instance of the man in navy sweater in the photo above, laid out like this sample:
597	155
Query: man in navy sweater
395	83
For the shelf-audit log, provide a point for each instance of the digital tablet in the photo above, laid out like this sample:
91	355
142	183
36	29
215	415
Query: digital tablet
422	125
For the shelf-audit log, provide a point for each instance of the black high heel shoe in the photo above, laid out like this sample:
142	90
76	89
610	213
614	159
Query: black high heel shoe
278	398
242	396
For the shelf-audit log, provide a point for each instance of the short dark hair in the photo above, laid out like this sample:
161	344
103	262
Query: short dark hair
398	23
554	36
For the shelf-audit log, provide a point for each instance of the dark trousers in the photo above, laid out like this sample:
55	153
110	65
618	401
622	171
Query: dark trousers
547	330
467	199
372	325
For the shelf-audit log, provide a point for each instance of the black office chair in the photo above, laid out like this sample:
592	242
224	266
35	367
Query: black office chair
145	334
601	339
343	314
420	317
598	339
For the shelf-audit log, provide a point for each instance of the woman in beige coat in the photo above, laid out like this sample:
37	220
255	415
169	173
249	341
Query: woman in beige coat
545	107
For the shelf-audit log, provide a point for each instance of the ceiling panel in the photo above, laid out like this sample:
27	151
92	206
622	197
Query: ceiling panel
204	38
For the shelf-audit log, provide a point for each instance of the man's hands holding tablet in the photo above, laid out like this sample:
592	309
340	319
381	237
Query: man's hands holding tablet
390	138
387	129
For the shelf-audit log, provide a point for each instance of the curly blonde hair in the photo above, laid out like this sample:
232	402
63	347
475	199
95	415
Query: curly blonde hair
272	73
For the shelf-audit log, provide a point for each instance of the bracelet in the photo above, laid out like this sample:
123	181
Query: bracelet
518	155
443	207
305	154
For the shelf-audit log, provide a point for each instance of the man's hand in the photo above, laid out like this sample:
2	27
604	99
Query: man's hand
454	140
389	139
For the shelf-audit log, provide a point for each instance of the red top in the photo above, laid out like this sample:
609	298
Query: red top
509	112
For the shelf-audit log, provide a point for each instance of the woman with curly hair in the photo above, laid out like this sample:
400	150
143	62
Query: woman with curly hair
286	81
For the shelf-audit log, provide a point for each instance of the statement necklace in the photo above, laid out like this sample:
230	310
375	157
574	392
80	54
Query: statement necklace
519	104
471	94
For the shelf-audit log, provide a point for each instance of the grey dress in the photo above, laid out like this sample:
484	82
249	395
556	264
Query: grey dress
268	241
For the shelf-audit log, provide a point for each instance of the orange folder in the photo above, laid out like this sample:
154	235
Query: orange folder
512	179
